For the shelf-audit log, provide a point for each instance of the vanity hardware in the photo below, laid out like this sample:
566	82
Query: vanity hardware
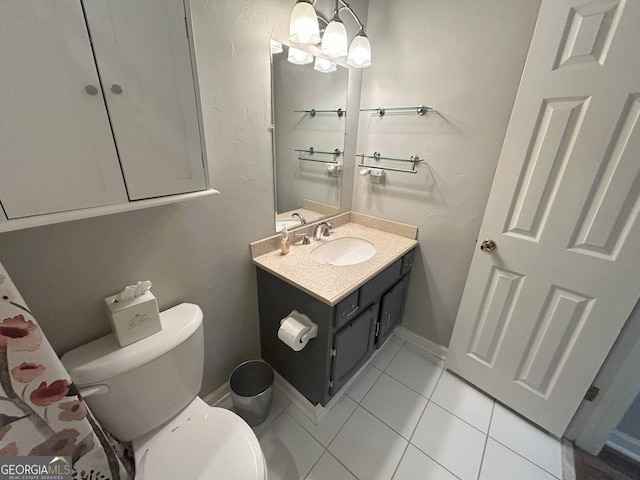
333	352
322	229
304	236
355	309
340	112
420	109
91	90
415	160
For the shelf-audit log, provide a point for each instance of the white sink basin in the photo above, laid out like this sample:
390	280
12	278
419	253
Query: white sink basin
344	251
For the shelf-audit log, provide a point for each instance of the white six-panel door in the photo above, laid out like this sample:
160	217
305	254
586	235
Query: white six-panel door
540	313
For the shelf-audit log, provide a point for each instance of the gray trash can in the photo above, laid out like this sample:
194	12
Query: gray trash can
251	385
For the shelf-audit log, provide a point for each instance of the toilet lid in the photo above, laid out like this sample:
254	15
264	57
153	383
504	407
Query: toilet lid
202	442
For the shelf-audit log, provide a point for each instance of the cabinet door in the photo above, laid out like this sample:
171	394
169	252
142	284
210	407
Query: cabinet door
56	147
143	56
353	345
391	310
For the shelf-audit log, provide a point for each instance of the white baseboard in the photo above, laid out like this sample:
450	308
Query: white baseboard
625	444
437	352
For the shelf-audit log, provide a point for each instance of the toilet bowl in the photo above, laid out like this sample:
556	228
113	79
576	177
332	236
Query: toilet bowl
202	442
146	392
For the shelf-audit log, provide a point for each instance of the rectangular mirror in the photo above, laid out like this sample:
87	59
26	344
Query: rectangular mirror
309	125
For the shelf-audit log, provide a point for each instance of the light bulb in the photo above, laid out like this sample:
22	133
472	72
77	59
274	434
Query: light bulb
360	52
325	66
299	57
303	27
334	40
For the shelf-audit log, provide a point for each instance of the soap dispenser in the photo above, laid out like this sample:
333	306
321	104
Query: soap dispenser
284	242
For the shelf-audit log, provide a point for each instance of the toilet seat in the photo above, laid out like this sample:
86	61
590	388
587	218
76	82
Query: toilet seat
201	442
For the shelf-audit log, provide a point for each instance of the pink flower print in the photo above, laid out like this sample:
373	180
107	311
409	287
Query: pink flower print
44	395
11	450
26	372
62	443
20	335
75	410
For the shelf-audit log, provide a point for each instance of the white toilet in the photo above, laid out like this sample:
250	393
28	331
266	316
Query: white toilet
147	392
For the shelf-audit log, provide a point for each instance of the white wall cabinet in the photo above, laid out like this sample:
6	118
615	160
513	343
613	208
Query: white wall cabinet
98	105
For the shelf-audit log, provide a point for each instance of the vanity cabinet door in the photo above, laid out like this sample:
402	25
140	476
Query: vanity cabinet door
353	346
391	309
56	147
143	56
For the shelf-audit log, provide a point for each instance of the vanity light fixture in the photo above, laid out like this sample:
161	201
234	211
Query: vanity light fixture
303	26
325	66
299	57
304	29
334	40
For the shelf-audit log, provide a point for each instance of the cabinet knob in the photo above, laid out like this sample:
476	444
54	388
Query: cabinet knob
91	90
115	88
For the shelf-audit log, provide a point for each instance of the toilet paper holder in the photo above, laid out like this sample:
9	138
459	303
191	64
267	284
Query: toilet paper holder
310	329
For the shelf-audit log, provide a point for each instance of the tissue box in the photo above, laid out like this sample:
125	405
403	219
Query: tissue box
135	319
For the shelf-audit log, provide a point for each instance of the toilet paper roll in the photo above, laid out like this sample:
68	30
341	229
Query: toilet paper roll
291	332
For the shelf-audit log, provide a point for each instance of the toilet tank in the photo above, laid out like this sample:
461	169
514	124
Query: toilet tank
134	389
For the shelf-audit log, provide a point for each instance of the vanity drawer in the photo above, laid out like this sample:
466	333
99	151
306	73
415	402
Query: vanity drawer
346	310
407	261
377	285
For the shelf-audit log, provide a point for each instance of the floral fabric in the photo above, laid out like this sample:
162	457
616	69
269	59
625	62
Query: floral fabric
41	412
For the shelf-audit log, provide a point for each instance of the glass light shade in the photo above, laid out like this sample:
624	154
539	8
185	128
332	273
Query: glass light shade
303	27
276	47
334	40
298	57
360	52
325	66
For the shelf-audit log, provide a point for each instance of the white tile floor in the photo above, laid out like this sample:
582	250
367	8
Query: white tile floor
406	419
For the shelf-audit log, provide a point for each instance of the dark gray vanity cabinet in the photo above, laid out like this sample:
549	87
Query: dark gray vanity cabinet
348	332
352	347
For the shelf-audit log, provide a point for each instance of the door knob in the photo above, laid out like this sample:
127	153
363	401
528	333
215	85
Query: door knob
488	246
117	89
91	90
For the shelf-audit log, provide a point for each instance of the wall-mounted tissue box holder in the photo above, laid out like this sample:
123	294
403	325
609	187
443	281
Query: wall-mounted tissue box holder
135	319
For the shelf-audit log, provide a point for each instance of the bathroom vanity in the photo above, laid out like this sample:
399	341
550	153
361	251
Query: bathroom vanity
355	307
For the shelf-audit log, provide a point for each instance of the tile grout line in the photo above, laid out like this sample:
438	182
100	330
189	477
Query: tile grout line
486	440
395	470
517	453
522	456
422	451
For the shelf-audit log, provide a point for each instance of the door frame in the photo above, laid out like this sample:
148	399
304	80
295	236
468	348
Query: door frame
619	384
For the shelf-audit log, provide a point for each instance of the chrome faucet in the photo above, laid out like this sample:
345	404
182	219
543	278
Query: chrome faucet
303	221
322	229
304	237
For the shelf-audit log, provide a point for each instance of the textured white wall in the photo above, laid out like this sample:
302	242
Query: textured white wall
195	251
464	58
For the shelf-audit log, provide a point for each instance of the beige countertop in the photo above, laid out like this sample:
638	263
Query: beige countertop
331	283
